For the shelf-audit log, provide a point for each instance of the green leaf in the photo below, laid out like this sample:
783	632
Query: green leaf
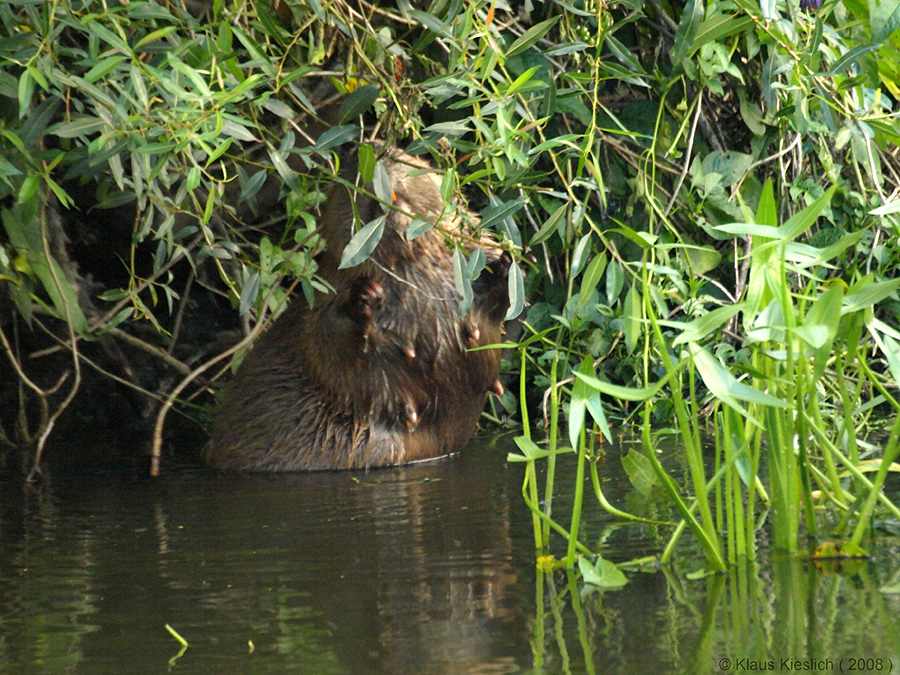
549	226
521	81
696	330
417	227
282	167
592	277
237	130
154	36
249	293
531	36
362	243
767	211
723	385
718	27
848	60
79	126
624	56
602	574
640	472
688	27
578	403
632	317
462	281
335	136
358	102
825	313
530	450
495	213
259	58
884	18
870	294
26	89
516	291
366	162
802	221
381	183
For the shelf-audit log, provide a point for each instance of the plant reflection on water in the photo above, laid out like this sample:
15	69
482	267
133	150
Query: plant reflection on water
425	569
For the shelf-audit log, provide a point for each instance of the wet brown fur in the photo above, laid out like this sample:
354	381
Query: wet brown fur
378	373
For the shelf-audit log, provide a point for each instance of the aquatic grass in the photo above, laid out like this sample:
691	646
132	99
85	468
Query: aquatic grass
783	420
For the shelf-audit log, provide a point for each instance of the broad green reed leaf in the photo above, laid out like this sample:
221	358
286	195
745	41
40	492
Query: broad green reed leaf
802	221
586	398
726	388
869	294
629	393
825	313
696	330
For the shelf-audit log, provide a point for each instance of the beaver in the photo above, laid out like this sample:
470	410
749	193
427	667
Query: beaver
380	372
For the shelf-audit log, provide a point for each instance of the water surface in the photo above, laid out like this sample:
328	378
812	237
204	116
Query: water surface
424	569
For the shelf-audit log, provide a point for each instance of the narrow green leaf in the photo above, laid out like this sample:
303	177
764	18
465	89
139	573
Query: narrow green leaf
154	36
691	17
259	58
362	243
723	385
417	227
591	278
531	36
578	402
698	329
549	226
719	27
381	183
849	59
249	293
521	81
26	89
79	126
632	317
494	214
462	281
802	221
767	211
516	291
869	295
103	67
366	162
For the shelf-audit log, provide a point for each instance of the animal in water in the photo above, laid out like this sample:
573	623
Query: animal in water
381	371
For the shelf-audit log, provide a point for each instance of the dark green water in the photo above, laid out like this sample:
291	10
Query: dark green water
427	569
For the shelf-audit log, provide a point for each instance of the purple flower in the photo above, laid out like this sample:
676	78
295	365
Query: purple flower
810	5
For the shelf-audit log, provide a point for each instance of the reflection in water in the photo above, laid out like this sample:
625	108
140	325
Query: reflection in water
427	569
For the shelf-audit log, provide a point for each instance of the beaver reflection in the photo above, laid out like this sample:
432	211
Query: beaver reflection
380	372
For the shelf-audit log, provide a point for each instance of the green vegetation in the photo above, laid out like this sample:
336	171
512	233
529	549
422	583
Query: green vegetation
706	193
